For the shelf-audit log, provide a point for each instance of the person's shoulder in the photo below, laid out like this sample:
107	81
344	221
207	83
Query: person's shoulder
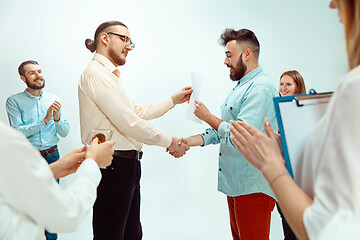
93	68
263	81
94	71
347	93
16	96
350	84
353	77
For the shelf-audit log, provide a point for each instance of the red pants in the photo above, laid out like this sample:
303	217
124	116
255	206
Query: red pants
250	216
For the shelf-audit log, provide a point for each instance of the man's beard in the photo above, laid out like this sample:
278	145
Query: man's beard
116	58
33	85
239	70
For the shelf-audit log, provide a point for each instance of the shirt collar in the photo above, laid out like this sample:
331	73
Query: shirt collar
30	95
104	61
250	75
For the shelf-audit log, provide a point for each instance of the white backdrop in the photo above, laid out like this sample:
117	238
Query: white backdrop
173	38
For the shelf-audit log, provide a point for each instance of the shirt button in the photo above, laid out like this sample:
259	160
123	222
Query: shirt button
220	154
207	132
225	104
220	169
230	108
112	168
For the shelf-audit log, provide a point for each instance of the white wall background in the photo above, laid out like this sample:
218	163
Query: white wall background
173	38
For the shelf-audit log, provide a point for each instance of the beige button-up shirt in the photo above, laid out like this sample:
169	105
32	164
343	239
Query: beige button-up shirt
105	104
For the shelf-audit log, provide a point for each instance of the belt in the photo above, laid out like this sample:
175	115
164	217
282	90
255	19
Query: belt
132	154
48	151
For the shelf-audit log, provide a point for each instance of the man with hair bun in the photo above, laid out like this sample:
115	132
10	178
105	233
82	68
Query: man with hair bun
105	104
249	197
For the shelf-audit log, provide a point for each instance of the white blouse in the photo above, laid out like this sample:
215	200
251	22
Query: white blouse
30	198
330	169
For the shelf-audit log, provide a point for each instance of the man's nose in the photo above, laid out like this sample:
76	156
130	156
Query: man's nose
128	47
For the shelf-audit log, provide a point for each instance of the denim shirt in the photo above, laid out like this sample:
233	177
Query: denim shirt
26	114
251	100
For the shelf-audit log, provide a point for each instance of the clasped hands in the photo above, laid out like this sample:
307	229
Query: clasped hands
53	112
178	147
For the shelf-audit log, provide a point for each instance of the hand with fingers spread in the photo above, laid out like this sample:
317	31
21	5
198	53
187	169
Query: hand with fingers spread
262	151
182	96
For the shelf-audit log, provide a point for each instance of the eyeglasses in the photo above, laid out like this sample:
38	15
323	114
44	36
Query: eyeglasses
124	38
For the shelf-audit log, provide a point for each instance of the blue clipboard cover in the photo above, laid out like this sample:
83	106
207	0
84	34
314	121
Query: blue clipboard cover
297	116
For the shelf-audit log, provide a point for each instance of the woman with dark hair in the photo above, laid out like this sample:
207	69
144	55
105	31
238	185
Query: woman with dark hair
324	202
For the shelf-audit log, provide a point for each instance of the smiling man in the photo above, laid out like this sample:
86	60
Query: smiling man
249	197
38	115
105	104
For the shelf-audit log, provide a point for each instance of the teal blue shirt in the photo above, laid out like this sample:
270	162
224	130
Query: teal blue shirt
251	100
26	114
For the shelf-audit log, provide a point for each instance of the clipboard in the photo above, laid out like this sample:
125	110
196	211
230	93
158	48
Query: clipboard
297	116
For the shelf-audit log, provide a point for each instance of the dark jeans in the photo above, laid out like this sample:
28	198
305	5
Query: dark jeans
116	212
50	158
288	233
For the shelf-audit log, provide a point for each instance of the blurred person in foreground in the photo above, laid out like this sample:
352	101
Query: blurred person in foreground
30	198
324	202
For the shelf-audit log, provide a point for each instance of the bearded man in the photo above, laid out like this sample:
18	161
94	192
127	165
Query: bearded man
249	196
38	115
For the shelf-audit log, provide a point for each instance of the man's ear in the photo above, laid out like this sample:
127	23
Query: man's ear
104	38
247	54
23	78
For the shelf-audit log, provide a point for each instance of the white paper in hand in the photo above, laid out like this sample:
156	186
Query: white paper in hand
196	79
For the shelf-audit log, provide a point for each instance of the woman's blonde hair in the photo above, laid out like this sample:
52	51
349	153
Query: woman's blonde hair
350	15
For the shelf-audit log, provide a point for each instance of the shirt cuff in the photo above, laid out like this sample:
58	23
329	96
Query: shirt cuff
165	140
222	129
42	124
168	103
89	166
208	138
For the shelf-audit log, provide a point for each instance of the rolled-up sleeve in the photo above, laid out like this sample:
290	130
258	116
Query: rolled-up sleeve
62	126
210	136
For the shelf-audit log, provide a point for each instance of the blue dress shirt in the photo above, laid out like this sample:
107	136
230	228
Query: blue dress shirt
251	100
26	114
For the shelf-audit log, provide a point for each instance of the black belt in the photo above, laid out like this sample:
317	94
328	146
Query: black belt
132	154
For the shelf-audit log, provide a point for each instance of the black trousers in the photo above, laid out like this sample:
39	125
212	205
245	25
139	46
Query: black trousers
288	233
116	212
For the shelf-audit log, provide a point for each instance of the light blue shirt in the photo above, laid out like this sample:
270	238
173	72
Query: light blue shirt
26	113
251	100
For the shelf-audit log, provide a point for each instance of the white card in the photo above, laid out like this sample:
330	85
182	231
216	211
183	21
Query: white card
196	79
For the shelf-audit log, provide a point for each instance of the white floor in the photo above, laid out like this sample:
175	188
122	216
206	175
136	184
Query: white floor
180	200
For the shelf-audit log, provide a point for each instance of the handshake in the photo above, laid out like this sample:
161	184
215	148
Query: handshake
178	147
